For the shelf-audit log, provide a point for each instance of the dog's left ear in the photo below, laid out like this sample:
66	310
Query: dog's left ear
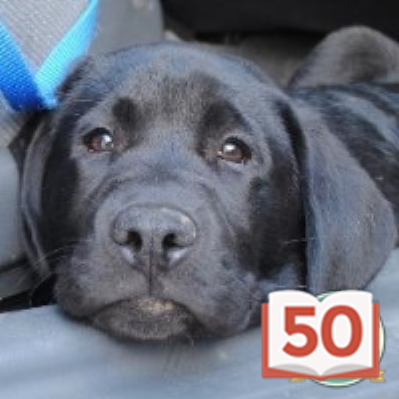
349	55
350	226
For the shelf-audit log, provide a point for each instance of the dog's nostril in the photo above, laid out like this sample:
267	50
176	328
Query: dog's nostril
134	240
170	241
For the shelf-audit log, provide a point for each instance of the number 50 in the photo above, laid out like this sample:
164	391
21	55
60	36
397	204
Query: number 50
292	327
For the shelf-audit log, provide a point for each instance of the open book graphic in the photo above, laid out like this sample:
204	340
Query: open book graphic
335	338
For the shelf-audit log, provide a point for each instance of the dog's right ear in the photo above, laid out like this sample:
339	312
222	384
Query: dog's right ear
34	145
36	154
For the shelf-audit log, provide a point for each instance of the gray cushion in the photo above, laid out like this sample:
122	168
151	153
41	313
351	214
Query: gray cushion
49	356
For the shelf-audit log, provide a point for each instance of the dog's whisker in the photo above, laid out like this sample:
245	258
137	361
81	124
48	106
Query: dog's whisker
299	240
92	201
48	256
20	282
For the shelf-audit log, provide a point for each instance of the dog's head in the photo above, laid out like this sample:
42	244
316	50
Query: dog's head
173	189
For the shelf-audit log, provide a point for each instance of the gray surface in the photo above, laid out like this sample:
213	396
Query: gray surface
278	54
37	25
49	356
123	23
10	248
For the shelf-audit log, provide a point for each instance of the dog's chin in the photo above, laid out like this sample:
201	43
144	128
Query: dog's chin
148	319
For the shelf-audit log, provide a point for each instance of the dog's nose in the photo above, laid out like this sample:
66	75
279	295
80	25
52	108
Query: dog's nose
151	237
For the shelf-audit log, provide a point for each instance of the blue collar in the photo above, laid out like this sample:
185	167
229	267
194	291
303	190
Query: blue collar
25	91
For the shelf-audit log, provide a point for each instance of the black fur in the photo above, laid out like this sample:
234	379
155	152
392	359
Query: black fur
313	207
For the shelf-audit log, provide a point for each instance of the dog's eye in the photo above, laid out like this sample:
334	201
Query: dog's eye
99	140
234	150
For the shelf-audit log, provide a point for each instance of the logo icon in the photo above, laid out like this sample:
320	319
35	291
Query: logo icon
335	339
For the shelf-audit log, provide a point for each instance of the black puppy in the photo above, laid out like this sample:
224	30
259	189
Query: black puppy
174	188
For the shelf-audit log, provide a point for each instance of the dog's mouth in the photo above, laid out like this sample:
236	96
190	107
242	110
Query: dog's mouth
146	319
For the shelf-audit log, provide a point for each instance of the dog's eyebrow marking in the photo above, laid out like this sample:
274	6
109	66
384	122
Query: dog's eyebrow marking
125	112
220	117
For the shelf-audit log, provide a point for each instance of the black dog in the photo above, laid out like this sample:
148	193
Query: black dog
174	188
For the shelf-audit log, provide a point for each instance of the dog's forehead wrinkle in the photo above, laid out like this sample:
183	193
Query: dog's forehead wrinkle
159	93
149	70
170	116
193	109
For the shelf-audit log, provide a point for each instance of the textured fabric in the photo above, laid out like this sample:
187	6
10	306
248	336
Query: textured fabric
10	123
27	89
36	26
16	79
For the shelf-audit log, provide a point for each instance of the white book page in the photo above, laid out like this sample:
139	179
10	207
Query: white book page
320	362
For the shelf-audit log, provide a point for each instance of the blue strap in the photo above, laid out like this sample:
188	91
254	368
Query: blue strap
24	91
